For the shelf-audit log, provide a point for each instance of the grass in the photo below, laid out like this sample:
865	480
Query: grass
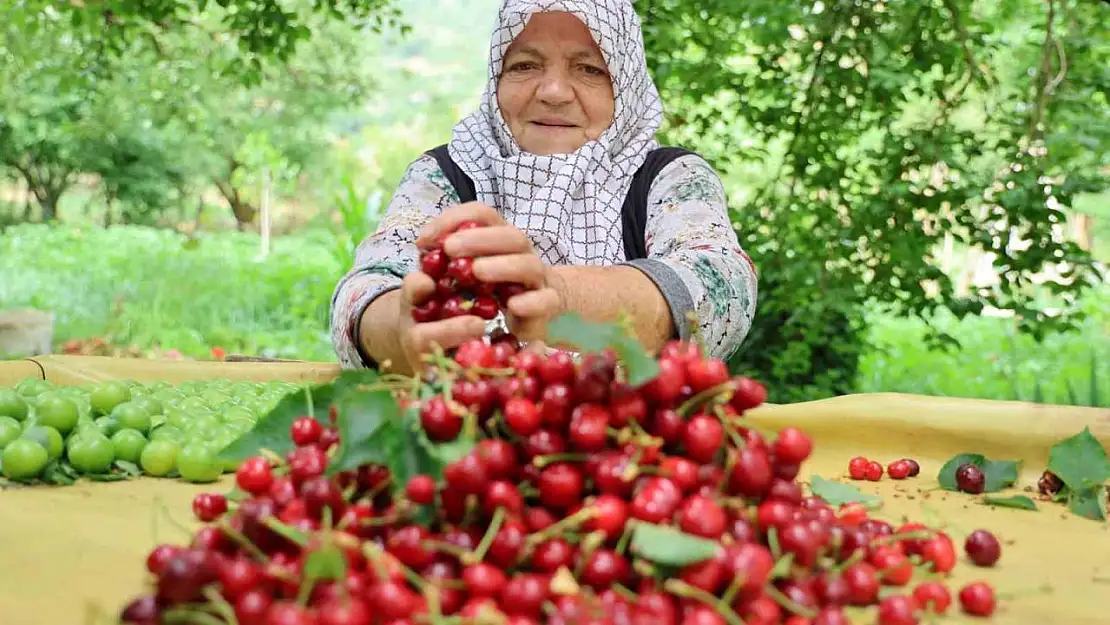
160	289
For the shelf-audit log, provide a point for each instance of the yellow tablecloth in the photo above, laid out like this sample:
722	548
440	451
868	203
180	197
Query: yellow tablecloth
70	550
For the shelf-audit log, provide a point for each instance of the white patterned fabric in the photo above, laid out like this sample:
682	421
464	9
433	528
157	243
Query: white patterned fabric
568	204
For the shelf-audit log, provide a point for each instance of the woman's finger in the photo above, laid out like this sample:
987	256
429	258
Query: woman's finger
451	218
540	303
446	333
416	287
489	241
525	268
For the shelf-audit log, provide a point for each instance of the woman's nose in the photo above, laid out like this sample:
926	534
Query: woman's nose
555	88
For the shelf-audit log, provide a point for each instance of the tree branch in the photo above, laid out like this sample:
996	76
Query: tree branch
1040	100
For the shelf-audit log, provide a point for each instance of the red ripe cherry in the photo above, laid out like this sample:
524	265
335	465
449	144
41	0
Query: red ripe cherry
328	438
832	589
454	306
499	458
774	513
141	611
656	501
792	446
863	583
782	490
852	513
507	545
610	474
485	307
407	545
305	431
558	368
538	519
667	385
702	438
932	597
238	576
914	467
895	566
970	479
898	470
433	263
751	473
474	353
682	472
702	516
828	615
857	468
522	416
747	394
897	610
750	562
610	515
589	425
524	595
467	225
560	485
977	599
668	425
343	611
605	568
477	395
544	443
252	607
982	548
503	494
548	556
306	463
394	600
628	408
940	551
483	580
321	493
159	556
427	311
467	474
421	489
874	471
438	420
705	615
185	575
462	271
209	506
556	405
254	475
703	375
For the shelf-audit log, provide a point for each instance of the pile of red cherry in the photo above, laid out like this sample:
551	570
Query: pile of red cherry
458	292
532	525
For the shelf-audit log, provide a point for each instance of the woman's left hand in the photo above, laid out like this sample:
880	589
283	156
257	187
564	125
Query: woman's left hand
501	253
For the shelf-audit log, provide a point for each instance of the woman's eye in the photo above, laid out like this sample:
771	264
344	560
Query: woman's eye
522	66
593	70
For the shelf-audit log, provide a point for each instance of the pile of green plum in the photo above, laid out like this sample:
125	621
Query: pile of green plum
121	429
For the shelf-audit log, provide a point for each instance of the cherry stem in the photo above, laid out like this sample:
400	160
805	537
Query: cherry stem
542	461
787	603
723	389
564	524
733	434
857	556
445	547
626	536
894	538
773	542
479	552
734	587
220	605
680	588
472	504
190	616
243	541
588	546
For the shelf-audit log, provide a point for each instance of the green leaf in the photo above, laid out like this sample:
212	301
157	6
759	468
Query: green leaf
998	474
670	547
236	494
56	473
326	562
364	417
1079	461
272	431
106	477
130	469
292	534
1088	502
572	329
837	493
1020	502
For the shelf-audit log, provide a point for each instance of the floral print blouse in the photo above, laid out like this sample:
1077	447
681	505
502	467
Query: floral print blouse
694	256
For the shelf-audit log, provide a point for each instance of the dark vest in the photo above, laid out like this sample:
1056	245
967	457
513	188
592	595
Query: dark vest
633	212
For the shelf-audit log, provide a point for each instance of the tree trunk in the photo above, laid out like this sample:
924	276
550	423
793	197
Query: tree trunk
243	210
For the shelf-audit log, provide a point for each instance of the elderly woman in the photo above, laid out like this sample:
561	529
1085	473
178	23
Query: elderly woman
580	203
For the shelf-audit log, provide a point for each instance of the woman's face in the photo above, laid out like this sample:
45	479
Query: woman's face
554	90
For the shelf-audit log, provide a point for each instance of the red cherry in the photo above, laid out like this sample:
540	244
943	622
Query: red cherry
977	599
485	307
483	580
874	471
589	424
747	394
863	583
702	516
552	554
556	405
751	473
434	263
455	306
982	548
610	515
604	568
254	475
703	375
897	610
462	271
702	438
895	566
421	489
792	446
898	470
560	485
209	506
474	353
932	597
667	385
159	556
857	468
427	311
522	416
440	423
970	479
940	551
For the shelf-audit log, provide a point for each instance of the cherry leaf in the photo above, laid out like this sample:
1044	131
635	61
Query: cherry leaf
1021	502
1079	461
1088	502
671	547
837	493
326	562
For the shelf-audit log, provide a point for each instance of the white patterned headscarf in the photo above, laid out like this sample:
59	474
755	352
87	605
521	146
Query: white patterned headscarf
568	204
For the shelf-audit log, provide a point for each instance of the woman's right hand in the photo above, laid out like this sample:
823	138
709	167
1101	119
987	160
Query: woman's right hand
418	339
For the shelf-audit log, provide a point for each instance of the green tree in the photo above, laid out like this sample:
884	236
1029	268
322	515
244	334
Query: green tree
858	136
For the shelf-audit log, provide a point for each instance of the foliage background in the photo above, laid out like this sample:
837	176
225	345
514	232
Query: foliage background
922	184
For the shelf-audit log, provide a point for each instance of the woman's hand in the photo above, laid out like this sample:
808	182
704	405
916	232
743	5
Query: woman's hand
501	253
417	339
